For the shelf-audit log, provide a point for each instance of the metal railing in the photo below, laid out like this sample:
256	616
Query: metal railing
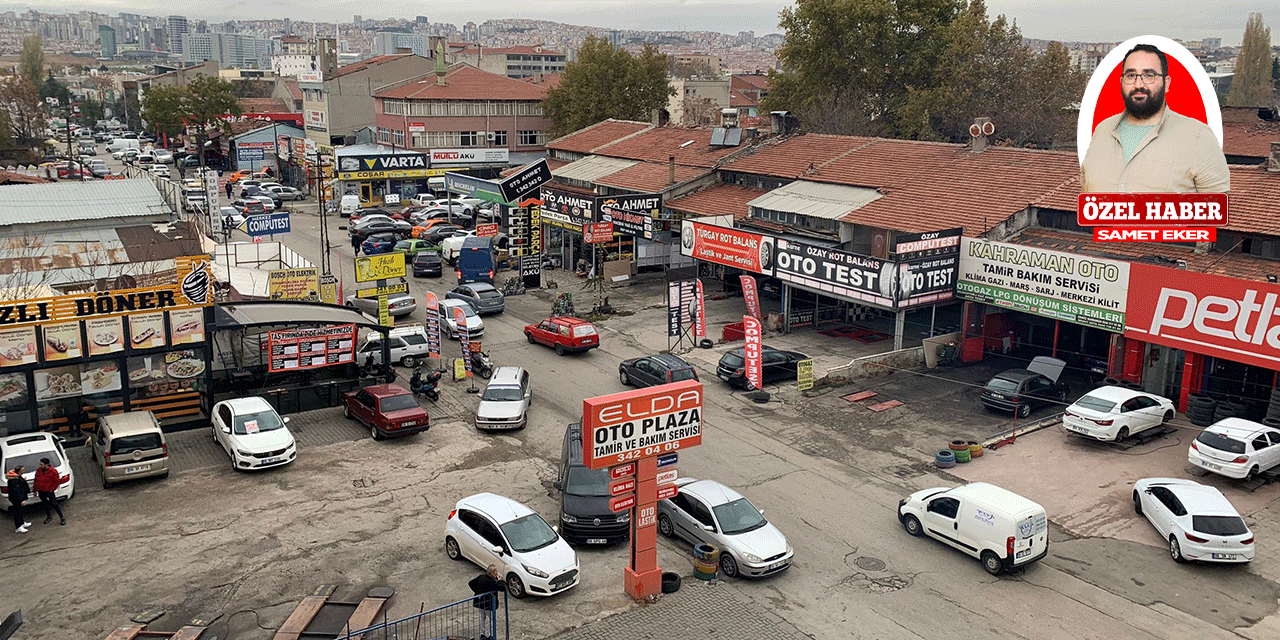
461	620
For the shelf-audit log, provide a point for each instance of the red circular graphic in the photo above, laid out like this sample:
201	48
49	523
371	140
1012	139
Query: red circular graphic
1183	96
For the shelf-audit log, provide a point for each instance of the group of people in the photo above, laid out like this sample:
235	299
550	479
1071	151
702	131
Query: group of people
47	482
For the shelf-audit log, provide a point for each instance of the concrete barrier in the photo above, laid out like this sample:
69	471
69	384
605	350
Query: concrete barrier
873	365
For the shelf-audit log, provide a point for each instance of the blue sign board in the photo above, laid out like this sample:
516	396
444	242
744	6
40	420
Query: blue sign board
247	154
667	459
267	224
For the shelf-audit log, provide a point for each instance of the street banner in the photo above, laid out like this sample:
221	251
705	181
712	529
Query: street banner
749	295
804	374
727	246
700	321
752	350
433	325
673	309
464	337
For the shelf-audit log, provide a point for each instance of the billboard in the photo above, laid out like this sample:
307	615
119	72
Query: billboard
470	156
641	423
727	246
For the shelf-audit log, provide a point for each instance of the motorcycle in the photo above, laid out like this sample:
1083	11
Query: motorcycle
481	365
550	262
427	387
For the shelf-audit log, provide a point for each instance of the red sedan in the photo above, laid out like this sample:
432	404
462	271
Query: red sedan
389	410
565	333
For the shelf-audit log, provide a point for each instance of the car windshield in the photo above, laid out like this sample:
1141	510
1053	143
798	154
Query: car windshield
1002	384
502	394
584	330
1219	525
732	359
683	374
399	403
738	516
29	461
267	420
1096	404
587	482
529	533
1220	442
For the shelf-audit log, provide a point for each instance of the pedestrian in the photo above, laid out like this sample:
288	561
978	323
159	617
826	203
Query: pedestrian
486	587
19	490
47	481
355	244
230	187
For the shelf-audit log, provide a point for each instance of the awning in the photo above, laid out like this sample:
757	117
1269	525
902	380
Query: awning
816	199
238	315
591	168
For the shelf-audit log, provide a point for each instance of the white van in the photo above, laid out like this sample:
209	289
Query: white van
997	526
118	144
350	204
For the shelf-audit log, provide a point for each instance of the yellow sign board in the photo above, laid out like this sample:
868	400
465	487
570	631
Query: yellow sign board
294	284
399	287
329	289
804	374
380	267
384	313
459	369
392	174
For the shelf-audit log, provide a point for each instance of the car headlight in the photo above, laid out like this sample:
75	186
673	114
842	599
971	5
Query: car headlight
789	549
752	558
534	571
244	453
625	516
564	517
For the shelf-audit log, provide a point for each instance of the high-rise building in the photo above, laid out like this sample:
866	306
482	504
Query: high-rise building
422	20
177	27
389	42
107	38
288	27
355	20
230	50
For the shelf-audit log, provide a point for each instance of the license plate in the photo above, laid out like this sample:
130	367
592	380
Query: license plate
1022	554
408	424
723	376
597	540
1077	429
1210	465
271	460
997	396
145	467
1223	556
776	565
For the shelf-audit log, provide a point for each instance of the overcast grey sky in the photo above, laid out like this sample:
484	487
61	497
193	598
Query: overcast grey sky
1083	20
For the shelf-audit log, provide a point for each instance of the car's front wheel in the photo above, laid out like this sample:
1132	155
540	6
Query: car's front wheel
623	377
528	335
912	525
1137	503
515	586
728	566
408	361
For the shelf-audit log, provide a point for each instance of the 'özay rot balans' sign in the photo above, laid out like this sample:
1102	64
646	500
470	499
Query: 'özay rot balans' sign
627	426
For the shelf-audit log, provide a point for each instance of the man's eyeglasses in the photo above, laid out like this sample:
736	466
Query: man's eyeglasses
1148	77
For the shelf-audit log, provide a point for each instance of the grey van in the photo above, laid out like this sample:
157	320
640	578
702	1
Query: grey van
130	446
585	517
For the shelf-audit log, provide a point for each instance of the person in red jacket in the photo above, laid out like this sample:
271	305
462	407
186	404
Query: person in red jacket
47	481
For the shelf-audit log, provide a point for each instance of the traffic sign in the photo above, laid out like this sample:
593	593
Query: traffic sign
622	486
666	491
622	503
622	471
668	459
667	477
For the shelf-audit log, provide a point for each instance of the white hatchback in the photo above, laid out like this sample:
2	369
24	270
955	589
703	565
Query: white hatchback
1197	520
1115	413
531	556
253	434
27	449
1236	448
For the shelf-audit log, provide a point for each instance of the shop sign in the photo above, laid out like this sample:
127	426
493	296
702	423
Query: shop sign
13	390
535	229
298	349
294	284
469	156
282	147
1230	318
597	232
642	423
62	341
399	165
926	281
566	209
310	76
249	154
417	126
752	351
267	224
727	246
525	181
186	326
433	325
146	330
380	267
914	246
464	337
631	215
299	147
391	289
315	120
804	374
749	295
838	273
700	319
487	230
106	335
18	346
1078	289
682	302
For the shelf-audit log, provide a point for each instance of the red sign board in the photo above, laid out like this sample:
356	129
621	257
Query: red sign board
297	349
752	350
622	471
1151	209
1205	313
727	246
666	491
487	230
749	295
636	424
597	232
622	486
622	503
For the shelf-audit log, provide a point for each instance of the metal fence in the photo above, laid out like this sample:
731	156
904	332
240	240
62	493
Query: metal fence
462	620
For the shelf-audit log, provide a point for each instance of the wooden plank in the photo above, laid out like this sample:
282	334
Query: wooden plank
300	618
861	395
364	614
888	404
188	633
127	632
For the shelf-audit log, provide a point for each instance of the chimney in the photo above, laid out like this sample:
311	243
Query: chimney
537	78
979	130
671	170
776	123
1273	162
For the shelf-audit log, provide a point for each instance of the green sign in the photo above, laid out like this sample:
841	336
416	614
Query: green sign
1040	305
804	374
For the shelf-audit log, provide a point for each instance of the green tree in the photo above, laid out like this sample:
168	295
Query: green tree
163	109
31	60
607	82
51	88
198	108
1252	85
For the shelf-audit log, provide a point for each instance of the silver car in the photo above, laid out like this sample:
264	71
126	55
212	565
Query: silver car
706	511
506	400
482	297
398	304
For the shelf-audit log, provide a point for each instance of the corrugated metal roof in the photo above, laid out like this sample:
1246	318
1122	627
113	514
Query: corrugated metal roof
816	199
71	201
590	168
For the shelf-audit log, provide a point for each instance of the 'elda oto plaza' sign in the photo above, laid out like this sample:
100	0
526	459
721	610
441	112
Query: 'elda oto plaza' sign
626	432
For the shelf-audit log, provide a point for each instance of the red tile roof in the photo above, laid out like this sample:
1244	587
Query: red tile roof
292	86
596	135
740	99
690	147
366	63
1235	265
650	177
718	200
749	81
465	82
792	157
13	177
549	80
264	105
1252	139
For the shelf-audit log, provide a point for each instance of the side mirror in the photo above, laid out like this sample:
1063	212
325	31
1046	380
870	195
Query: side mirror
707	527
342	228
286	421
558	486
761	511
226	429
496	549
555	528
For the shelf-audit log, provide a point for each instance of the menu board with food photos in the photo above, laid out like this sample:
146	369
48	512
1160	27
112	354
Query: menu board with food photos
58	382
186	326
18	346
100	377
165	373
106	335
146	330
62	341
13	389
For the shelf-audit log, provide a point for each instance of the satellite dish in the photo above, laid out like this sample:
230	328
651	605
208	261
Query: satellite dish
975	130
988	128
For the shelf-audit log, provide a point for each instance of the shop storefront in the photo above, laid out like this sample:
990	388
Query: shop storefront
69	360
375	175
563	214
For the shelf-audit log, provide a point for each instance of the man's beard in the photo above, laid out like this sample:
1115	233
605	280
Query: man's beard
1148	107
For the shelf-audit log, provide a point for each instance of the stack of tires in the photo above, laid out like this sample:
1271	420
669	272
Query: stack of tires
1272	418
960	449
1230	409
1201	410
706	561
944	459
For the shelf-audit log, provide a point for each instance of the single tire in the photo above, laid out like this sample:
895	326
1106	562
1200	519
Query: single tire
912	525
975	450
486	372
957	445
623	378
1023	410
991	562
528	335
373	431
945	465
728	566
1271	422
451	548
1111	382
1137	503
944	455
107	485
559	349
664	526
1253	471
962	456
408	361
670	582
515	586
1175	551
1168	416
1122	434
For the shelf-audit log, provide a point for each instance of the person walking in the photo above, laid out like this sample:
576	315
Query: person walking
19	491
355	244
486	587
230	188
47	481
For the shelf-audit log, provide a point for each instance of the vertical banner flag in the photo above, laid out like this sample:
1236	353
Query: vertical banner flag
433	325
673	309
750	296
464	337
700	322
752	350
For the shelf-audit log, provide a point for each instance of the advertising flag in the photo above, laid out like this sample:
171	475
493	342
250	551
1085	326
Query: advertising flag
433	325
750	296
752	350
464	337
700	321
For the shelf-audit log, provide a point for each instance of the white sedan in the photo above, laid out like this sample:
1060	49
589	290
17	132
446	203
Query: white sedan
1197	520
449	326
531	557
1115	413
253	434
